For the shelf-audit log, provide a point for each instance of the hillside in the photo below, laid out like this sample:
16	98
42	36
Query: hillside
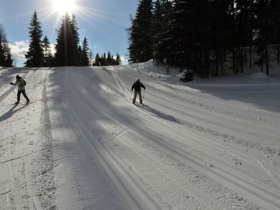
82	144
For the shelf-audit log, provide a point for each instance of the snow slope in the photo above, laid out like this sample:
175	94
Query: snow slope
81	144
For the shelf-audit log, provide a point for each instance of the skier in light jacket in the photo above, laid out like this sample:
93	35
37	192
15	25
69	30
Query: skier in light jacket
21	88
137	90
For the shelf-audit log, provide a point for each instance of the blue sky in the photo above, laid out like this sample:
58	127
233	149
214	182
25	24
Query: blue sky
103	22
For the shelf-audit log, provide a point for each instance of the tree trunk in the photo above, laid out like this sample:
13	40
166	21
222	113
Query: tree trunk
262	65
205	62
217	63
278	54
233	61
241	62
267	61
251	58
222	61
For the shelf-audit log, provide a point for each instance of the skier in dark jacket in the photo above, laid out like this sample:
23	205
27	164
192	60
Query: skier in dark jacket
137	90
21	88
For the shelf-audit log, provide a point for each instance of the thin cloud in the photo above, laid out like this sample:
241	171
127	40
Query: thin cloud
19	49
124	60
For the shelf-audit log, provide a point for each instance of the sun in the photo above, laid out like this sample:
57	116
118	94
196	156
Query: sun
64	6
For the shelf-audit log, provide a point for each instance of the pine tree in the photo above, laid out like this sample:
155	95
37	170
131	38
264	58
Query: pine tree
200	37
157	29
7	55
118	60
48	58
67	47
74	41
2	52
34	56
90	58
140	33
162	34
79	56
9	60
243	36
264	26
182	34
5	52
61	49
97	60
219	33
46	48
85	53
109	59
275	20
103	60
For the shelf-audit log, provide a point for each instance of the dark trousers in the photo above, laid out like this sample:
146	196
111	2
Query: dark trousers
135	95
23	93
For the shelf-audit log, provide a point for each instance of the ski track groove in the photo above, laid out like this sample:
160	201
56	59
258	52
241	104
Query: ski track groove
235	180
116	168
233	139
142	130
160	144
21	194
218	146
222	136
211	113
203	130
17	187
229	178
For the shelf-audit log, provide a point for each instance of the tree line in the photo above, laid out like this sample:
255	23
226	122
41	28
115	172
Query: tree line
5	51
68	51
206	36
107	60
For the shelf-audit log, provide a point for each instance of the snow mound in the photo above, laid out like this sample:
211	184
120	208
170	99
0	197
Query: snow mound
159	72
259	75
149	63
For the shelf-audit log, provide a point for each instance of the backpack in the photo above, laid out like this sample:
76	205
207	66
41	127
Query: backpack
24	82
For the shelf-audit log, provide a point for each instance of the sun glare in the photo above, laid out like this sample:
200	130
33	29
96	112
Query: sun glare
64	6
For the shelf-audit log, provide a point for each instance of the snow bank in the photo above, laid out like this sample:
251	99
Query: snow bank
251	76
259	75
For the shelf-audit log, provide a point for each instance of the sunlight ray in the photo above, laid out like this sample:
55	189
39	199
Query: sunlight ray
61	7
101	16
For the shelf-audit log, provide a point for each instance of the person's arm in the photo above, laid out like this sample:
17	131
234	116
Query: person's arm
133	86
14	83
143	86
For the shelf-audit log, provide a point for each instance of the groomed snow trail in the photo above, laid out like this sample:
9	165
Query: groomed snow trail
81	144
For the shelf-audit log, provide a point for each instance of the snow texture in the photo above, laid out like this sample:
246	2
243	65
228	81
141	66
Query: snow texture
81	143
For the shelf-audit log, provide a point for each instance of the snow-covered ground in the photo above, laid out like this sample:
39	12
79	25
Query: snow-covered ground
81	144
